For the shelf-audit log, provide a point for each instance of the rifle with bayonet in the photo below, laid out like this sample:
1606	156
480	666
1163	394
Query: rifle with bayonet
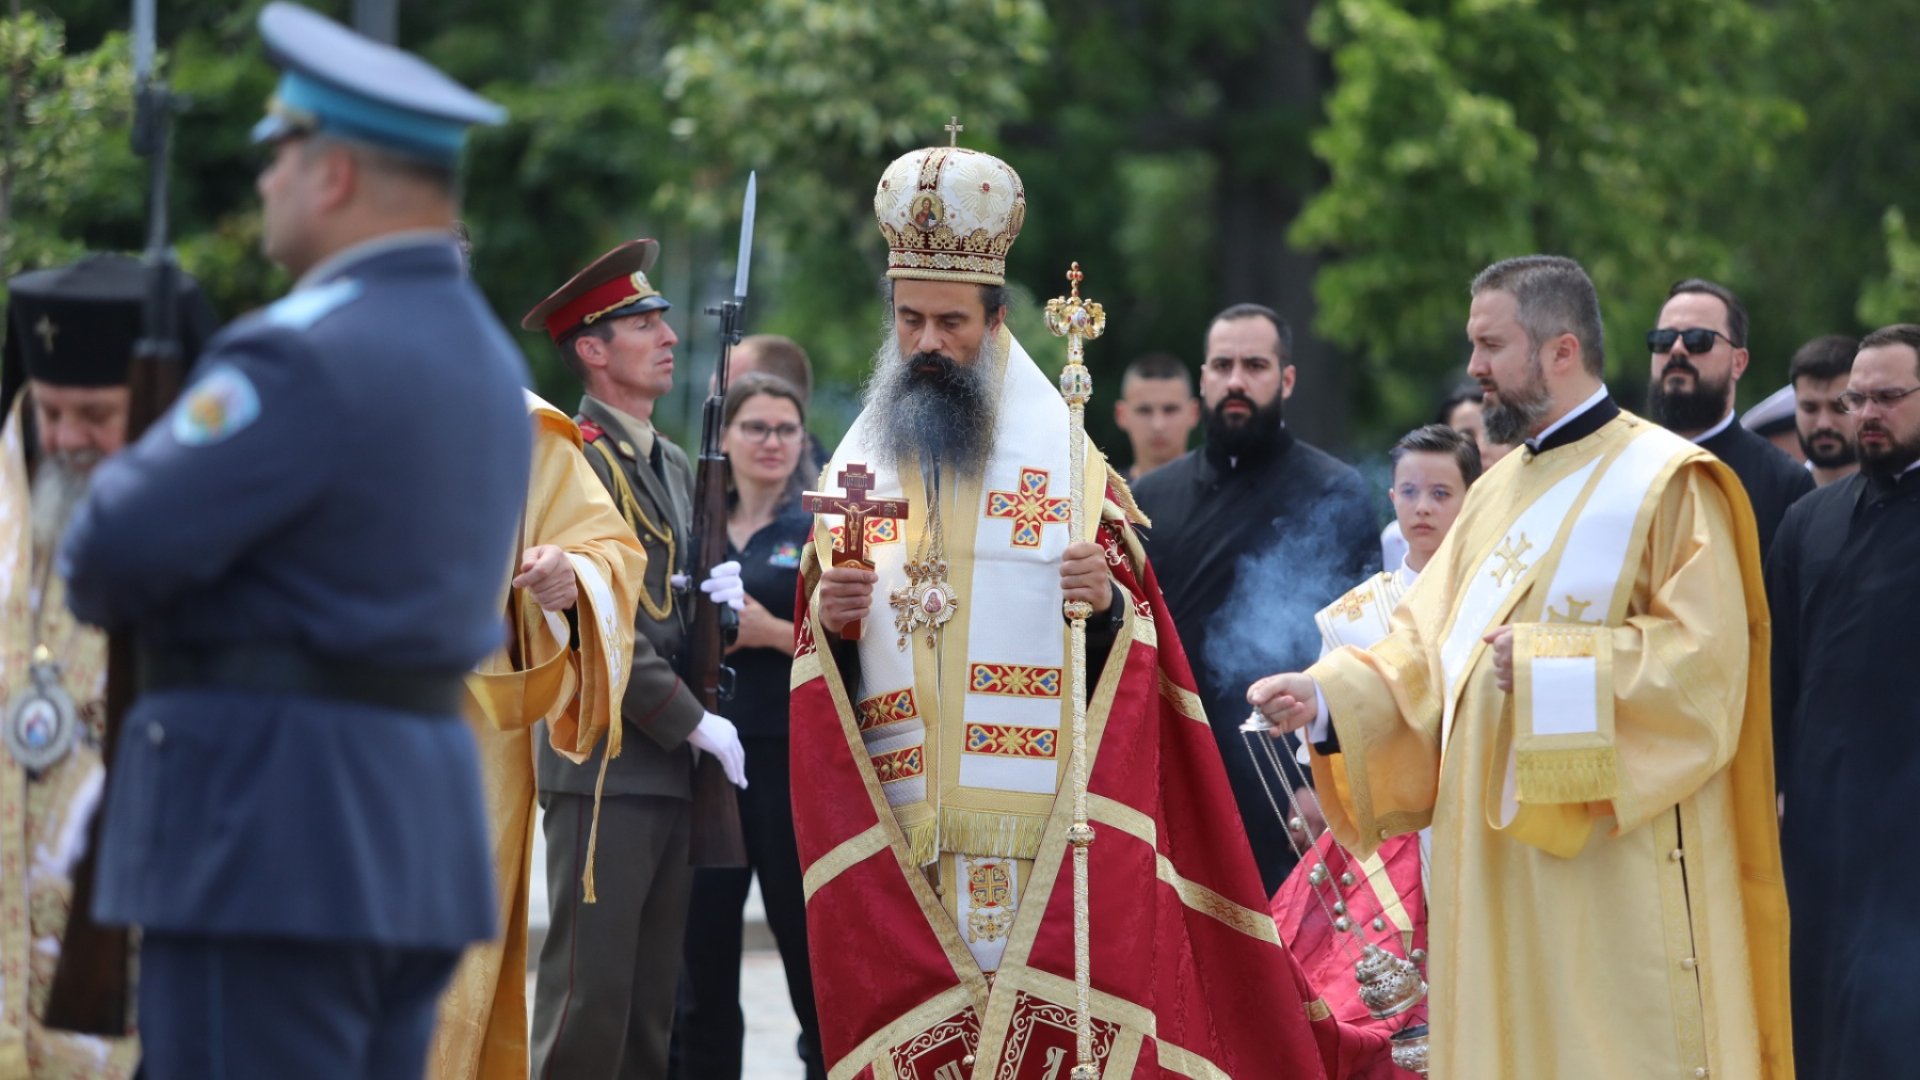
717	839
92	985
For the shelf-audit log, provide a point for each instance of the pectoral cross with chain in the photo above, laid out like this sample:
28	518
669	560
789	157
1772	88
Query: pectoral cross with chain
856	480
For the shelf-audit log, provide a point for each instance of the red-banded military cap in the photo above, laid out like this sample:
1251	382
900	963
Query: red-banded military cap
612	286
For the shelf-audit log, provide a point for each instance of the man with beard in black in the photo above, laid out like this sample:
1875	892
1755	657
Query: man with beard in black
1844	581
1818	378
1699	352
1252	534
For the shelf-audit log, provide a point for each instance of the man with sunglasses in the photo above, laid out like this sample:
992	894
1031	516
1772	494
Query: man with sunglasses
1844	579
1699	352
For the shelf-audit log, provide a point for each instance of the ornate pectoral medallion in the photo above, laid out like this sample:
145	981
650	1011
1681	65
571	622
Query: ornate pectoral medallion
926	602
42	723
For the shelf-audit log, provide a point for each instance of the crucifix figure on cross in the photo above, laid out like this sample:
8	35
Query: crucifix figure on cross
856	480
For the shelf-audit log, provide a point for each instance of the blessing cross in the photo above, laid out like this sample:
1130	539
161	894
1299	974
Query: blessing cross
855	506
47	332
954	128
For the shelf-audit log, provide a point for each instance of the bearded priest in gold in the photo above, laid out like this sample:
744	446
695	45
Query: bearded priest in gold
569	602
1574	693
933	827
70	335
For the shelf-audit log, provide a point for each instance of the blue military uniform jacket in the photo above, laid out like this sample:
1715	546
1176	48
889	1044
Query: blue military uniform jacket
344	476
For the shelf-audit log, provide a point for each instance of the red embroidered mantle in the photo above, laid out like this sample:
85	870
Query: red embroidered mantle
1189	975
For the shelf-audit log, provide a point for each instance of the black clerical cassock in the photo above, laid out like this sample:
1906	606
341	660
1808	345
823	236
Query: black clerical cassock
1844	583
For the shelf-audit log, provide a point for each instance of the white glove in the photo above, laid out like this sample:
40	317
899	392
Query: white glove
723	585
717	736
679	581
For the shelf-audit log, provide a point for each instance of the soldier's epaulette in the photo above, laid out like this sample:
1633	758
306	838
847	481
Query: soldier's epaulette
590	431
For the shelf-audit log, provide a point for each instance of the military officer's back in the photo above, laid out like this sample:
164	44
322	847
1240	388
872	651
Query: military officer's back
308	547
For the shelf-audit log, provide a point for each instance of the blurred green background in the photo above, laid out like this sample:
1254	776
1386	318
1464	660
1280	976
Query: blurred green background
1350	162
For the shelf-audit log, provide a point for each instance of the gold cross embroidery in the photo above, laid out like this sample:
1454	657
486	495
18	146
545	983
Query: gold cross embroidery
1575	609
1509	557
1353	605
954	128
47	331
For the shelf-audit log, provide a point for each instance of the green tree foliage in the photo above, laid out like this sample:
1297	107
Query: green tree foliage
818	98
1465	131
57	164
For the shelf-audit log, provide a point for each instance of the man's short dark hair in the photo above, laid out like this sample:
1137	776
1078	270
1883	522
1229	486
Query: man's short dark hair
1465	392
1906	334
1441	439
1823	359
1158	365
1552	296
1736	311
1257	311
570	357
784	357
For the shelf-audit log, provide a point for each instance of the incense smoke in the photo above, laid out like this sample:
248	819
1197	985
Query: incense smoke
1266	626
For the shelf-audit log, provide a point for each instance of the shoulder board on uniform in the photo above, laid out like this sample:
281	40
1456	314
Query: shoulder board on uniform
590	431
300	310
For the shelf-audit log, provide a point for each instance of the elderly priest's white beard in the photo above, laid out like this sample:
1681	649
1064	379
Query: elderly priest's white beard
932	409
60	481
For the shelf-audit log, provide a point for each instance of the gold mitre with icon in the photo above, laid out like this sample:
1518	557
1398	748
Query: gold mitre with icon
950	214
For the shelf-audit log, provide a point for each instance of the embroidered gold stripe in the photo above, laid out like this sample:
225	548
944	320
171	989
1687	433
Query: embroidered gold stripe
1185	701
1317	1011
846	856
1059	989
877	1047
1106	811
1258	924
1254	924
1387	894
1187	1063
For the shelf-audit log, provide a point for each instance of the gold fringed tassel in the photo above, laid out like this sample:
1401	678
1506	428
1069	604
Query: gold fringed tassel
1573	775
593	831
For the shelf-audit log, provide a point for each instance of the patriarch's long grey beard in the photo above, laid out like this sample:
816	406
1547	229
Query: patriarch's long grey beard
944	416
60	481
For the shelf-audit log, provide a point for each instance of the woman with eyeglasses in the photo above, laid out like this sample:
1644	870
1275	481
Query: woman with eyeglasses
764	439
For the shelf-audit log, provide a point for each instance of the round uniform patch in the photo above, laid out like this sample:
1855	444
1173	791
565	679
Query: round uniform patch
220	404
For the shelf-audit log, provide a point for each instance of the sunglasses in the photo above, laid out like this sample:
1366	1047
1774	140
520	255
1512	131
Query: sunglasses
1698	339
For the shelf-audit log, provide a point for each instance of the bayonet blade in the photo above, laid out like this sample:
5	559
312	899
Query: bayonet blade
746	240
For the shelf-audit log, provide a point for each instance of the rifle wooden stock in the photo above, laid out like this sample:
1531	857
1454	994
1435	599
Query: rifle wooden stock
717	837
92	989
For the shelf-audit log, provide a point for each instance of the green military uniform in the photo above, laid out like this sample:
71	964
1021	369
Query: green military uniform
603	1003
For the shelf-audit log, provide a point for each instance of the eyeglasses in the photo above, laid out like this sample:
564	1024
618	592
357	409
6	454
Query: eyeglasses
758	431
1697	339
1853	400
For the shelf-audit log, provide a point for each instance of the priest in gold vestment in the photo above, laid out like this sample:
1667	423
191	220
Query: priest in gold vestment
1575	696
69	335
570	612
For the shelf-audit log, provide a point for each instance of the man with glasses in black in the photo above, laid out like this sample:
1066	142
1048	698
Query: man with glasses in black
1699	352
1844	580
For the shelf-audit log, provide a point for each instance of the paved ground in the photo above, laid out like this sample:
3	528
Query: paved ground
771	1027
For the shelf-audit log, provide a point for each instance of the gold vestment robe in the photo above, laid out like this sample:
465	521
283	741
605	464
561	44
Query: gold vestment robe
1630	920
43	819
482	1033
